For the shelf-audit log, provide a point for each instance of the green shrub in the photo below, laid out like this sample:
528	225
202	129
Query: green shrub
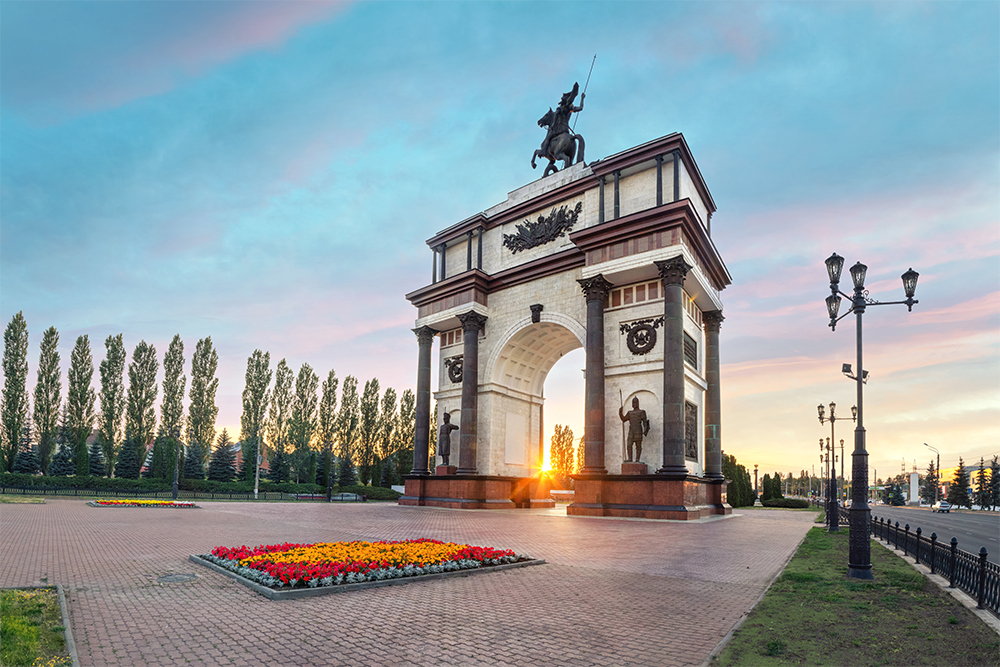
373	492
793	503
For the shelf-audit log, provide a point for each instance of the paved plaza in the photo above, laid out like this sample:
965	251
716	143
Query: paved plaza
613	591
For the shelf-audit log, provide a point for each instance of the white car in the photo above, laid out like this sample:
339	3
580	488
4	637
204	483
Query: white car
941	506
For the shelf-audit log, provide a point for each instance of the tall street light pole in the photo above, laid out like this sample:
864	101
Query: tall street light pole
937	473
859	564
833	506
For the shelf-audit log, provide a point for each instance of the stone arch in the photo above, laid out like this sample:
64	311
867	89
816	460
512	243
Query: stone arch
526	353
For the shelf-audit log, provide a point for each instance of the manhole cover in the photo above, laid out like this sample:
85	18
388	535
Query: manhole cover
175	578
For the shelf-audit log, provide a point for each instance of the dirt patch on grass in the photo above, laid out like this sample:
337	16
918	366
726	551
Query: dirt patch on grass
815	615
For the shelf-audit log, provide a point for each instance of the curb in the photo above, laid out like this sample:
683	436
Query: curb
297	593
68	632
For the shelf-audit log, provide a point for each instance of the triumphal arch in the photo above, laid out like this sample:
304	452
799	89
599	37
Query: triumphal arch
615	256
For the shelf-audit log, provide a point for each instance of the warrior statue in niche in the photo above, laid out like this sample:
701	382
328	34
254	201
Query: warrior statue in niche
638	428
444	438
560	141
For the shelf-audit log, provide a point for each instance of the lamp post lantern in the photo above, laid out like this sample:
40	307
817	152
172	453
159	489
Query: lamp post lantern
937	472
859	564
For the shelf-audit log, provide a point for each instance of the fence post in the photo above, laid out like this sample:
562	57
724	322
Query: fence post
933	551
917	556
982	577
951	563
906	539
895	536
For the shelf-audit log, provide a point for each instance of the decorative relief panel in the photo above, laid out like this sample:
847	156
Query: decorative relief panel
640	335
690	431
547	228
454	366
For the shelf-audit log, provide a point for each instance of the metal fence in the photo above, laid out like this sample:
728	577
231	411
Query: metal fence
968	572
187	495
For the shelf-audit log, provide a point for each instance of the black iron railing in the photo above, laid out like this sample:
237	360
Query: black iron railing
969	572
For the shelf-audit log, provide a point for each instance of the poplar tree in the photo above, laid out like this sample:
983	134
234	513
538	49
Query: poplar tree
140	413
388	419
404	433
14	402
112	399
303	421
255	399
347	428
326	430
279	414
368	430
80	400
222	467
48	396
174	381
562	455
202	410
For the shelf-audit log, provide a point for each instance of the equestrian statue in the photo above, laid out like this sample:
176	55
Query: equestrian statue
560	141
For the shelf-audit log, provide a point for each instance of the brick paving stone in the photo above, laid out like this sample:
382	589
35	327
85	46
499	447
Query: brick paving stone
614	592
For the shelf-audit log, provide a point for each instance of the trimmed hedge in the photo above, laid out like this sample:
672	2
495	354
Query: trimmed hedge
373	492
119	484
792	503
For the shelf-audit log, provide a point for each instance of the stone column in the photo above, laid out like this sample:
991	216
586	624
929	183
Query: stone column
472	324
422	416
672	273
713	399
596	290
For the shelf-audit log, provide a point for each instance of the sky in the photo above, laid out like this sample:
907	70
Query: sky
267	174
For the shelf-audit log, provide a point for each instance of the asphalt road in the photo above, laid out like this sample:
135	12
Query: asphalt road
973	529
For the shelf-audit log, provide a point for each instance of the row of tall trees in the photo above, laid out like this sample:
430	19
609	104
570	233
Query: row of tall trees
565	459
307	433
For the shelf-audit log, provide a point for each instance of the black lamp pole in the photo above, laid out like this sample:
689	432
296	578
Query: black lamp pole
833	507
860	565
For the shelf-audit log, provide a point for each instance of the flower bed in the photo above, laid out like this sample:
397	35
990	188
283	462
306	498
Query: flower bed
141	503
332	564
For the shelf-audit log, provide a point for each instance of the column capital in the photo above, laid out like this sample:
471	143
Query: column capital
425	335
712	320
673	270
596	288
472	321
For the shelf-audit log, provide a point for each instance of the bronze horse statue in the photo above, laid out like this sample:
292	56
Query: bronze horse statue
560	143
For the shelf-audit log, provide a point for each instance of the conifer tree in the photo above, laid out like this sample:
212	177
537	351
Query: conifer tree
128	464
112	399
80	401
765	488
278	466
252	421
326	430
982	486
958	492
303	422
63	463
98	466
193	468
995	482
14	401
157	468
48	396
929	488
26	458
202	411
140	411
222	468
368	430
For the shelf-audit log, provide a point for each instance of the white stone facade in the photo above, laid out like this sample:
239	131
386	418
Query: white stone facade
516	354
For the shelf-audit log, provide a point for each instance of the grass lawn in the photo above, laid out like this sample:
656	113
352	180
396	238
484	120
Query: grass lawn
815	615
31	630
21	500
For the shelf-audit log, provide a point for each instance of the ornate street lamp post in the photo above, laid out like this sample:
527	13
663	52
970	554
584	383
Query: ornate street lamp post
859	564
833	495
